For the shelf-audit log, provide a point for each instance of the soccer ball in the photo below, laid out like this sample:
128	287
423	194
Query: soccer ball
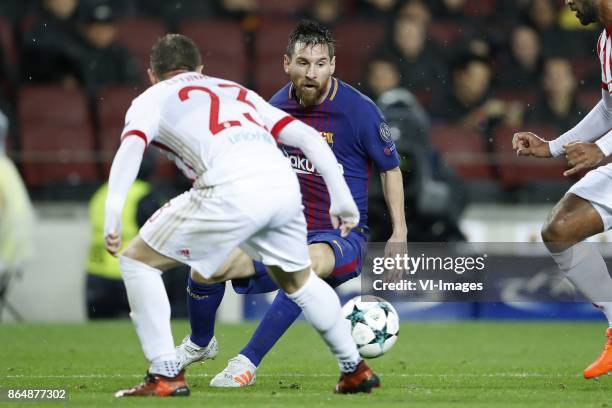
374	324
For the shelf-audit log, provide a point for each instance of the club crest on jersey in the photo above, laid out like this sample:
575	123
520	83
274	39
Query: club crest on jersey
329	138
385	132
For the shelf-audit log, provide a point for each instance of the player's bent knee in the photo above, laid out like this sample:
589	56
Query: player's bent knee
555	231
289	282
199	278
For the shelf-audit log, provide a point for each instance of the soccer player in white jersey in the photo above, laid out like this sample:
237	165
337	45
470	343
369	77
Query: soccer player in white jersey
244	195
586	209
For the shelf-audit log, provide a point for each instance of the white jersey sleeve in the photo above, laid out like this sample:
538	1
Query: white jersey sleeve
597	124
142	118
141	127
593	126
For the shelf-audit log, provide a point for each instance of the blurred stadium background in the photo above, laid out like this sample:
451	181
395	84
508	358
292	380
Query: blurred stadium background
455	79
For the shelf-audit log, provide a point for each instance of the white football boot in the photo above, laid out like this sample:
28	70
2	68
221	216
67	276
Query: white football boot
240	372
188	352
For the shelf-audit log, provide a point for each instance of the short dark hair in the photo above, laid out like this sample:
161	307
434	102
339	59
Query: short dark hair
311	33
174	52
463	59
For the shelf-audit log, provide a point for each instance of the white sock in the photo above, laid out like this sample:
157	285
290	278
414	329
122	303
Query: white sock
586	269
150	312
321	308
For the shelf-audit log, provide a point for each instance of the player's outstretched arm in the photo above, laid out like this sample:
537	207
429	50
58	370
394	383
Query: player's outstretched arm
122	175
593	126
310	142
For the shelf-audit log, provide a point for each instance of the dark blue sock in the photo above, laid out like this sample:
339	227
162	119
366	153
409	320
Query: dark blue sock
281	314
202	304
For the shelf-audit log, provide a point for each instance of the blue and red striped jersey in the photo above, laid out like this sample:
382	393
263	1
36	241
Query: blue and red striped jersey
357	133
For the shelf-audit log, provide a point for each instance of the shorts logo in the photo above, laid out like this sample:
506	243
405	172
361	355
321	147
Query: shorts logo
385	132
184	253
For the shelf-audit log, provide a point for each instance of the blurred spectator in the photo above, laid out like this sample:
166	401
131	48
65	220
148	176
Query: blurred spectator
544	16
51	47
468	100
558	105
434	196
326	12
173	11
450	10
102	61
414	9
524	68
236	9
376	9
419	60
16	221
382	75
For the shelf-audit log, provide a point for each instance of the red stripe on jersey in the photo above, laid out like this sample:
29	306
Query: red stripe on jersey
280	125
349	267
137	133
323	197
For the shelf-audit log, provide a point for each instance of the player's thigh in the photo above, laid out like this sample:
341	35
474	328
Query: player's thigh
322	258
282	244
572	220
238	266
142	252
199	228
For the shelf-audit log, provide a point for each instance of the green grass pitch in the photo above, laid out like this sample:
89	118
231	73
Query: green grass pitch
432	365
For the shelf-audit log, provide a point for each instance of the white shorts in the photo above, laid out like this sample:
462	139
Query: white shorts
201	227
596	187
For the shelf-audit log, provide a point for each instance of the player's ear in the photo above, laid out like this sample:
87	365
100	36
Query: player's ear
199	69
286	62
152	78
332	64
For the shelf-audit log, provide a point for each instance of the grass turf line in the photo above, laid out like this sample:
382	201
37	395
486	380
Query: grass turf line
433	364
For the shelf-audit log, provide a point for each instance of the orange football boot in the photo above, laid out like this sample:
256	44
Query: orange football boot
362	379
156	385
603	365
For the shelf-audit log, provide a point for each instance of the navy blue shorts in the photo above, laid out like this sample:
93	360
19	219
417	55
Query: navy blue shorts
349	253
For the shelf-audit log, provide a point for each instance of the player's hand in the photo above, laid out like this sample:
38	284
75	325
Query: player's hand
397	245
345	217
113	244
530	144
581	155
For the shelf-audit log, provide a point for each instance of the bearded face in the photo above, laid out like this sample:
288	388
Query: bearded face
310	69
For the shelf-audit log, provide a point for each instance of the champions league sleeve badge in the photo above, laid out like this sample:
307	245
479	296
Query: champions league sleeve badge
385	132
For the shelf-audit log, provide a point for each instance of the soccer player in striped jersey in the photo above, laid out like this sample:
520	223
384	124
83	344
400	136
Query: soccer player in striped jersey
586	209
207	125
358	135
